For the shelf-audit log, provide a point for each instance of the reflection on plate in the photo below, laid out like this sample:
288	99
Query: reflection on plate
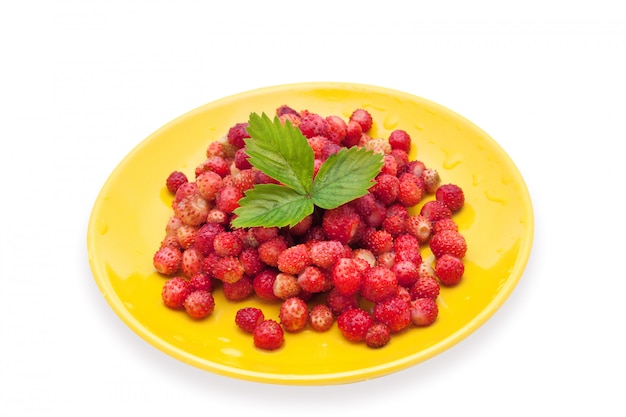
128	219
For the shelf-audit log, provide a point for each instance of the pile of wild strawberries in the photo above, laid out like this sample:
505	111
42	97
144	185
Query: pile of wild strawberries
358	264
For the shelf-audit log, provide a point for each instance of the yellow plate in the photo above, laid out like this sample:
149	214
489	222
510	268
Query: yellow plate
129	216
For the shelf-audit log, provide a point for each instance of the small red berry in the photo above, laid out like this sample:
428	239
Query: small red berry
449	269
448	242
377	336
362	117
354	323
321	318
175	291
247	318
199	304
424	311
268	335
451	195
175	180
293	314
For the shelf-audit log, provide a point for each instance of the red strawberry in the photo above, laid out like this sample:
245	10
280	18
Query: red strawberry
386	188
424	311
251	261
167	260
451	195
337	128
377	336
338	303
325	253
425	287
192	209
445	224
175	291
293	314
431	180
247	318
354	131
228	269
449	269
270	250
205	237
209	184
400	139
199	304
321	318
313	125
341	223
192	262
263	284
175	180
362	117
313	280
227	244
201	281
268	335
354	323
294	259
435	210
406	272
237	134
227	199
378	283
239	290
448	242
394	312
409	191
286	286
346	276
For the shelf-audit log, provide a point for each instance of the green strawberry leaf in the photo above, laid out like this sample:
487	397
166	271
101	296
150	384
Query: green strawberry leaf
345	176
271	205
280	151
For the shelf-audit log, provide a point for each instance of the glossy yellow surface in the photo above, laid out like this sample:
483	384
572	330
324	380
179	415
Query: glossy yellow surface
129	216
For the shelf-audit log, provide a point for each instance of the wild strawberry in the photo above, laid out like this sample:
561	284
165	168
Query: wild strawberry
302	227
216	164
435	210
419	226
218	216
425	269
173	223
247	318
451	195
386	188
185	190
378	283
175	291
317	143
341	223
199	304
192	209
364	204
448	242
449	269
227	244
431	180
242	159
354	131
270	250
365	255
445	224
294	259
192	262
386	259
325	253
406	273
402	159
346	276
167	260
186	235
227	199
378	241
409	192
205	237
263	284
293	314
400	139
237	134
171	241
338	303
321	318
424	311
313	125
243	179
263	234
394	224
175	180
228	269
268	335
407	248
416	168
239	290
209	183
286	286
377	336
362	117
425	287
313	280
390	165
285	109
394	312
215	148
201	281
337	128
251	261
354	323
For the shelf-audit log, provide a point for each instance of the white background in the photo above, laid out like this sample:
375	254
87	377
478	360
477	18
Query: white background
83	82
